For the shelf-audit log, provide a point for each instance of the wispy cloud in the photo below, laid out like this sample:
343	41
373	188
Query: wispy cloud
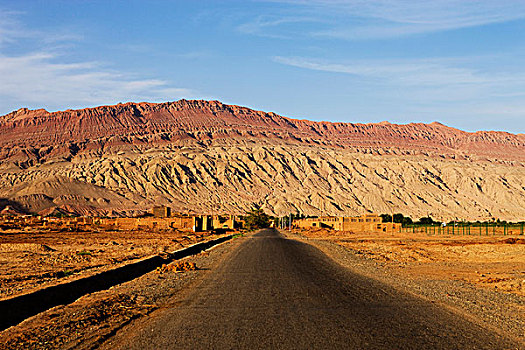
375	19
46	77
433	88
12	30
413	72
42	79
154	50
272	26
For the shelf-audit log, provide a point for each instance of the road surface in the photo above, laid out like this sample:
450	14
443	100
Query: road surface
277	293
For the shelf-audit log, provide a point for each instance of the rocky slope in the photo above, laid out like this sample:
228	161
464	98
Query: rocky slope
204	156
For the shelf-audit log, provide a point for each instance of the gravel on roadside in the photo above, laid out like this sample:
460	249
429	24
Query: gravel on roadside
498	311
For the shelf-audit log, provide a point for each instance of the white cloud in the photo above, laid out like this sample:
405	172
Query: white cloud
373	19
444	89
408	72
40	79
12	30
270	26
46	78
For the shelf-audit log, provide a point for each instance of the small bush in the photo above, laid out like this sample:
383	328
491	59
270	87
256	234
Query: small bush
84	252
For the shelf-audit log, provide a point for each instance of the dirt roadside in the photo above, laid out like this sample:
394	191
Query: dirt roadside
92	319
407	263
449	274
31	261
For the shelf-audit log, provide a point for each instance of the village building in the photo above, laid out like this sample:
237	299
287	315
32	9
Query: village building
363	223
196	223
162	220
161	211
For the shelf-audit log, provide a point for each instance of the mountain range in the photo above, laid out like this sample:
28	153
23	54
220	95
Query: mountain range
208	157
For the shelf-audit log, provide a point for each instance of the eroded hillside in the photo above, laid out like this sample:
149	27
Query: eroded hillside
201	156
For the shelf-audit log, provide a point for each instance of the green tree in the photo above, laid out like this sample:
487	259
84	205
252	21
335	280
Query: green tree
405	220
386	217
257	218
426	221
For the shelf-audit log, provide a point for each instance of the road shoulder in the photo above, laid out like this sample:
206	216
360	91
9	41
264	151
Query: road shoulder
95	318
485	308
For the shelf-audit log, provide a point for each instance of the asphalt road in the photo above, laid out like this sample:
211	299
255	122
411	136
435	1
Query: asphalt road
277	293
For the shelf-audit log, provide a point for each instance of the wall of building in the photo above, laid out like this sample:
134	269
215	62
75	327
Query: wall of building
161	212
364	223
190	223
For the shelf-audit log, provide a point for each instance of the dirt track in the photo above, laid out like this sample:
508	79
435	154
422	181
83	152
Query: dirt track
273	292
481	277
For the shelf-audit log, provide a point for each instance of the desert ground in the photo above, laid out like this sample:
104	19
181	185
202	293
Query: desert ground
92	319
481	276
32	260
493	262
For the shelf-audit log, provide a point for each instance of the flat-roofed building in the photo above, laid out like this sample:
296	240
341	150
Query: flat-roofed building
363	223
161	211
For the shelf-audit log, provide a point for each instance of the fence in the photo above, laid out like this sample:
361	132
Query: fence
481	229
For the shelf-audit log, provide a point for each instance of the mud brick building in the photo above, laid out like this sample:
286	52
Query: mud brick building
154	223
180	222
364	223
161	211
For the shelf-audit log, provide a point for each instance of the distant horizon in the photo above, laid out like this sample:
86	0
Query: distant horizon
258	110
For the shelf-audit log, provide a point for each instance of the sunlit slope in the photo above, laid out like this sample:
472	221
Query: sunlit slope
220	158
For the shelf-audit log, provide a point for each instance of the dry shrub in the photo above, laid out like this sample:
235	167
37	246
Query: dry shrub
180	266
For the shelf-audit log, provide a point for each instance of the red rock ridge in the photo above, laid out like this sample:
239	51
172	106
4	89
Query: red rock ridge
24	132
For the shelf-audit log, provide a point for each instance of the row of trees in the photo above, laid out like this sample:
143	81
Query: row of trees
406	221
398	218
256	218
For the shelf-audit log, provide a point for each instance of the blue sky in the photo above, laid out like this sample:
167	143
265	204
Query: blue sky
461	63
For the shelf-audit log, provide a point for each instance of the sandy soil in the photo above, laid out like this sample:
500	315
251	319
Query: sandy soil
94	318
29	261
444	269
495	262
480	277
